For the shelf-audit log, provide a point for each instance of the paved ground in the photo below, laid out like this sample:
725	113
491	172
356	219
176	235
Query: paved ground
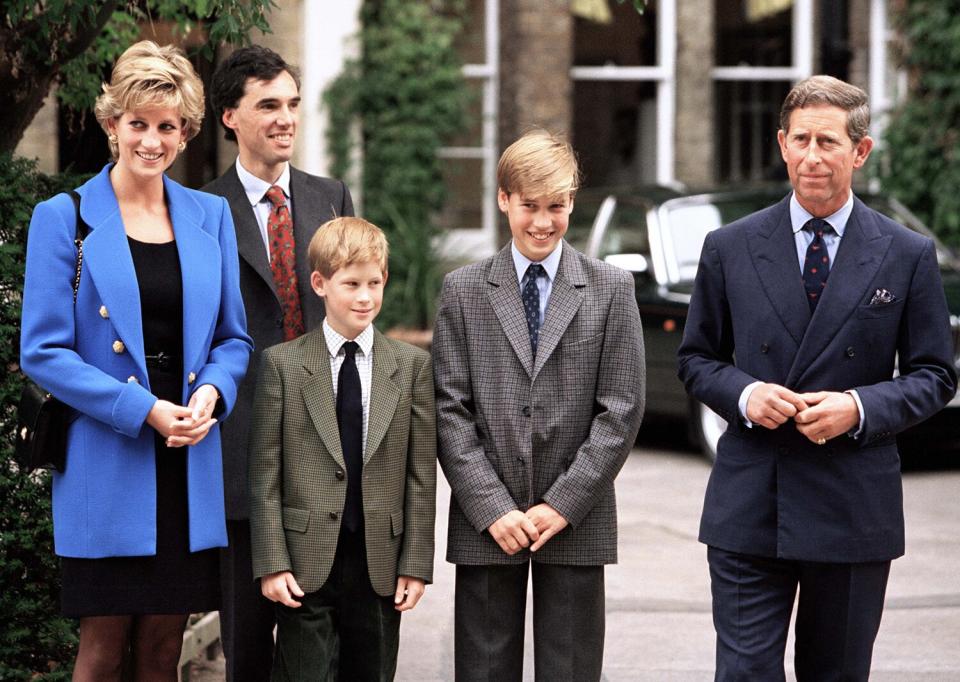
658	609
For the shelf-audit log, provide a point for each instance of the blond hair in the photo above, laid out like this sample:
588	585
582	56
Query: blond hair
830	91
539	164
147	75
346	241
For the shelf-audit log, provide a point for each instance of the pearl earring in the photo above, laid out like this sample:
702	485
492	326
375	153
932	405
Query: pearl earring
111	138
181	146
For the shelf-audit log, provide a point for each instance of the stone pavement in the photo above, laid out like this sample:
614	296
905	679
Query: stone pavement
658	597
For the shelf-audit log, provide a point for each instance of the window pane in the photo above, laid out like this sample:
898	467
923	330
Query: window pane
748	115
470	41
471	135
463	179
614	132
628	39
754	32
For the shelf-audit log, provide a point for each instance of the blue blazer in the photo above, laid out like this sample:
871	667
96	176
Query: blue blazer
104	504
773	492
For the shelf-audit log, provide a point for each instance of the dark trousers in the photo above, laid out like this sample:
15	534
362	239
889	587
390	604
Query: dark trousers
838	616
568	622
246	616
344	631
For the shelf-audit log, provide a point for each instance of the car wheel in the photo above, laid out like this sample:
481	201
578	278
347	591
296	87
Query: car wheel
709	427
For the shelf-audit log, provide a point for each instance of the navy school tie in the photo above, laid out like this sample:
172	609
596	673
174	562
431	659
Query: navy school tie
350	421
531	303
816	264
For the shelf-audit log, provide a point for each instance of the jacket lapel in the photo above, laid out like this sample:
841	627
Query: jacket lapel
199	273
384	394
504	296
249	238
862	250
309	212
317	393
774	252
106	256
566	298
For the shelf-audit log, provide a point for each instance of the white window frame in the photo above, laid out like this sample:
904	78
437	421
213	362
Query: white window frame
470	241
664	75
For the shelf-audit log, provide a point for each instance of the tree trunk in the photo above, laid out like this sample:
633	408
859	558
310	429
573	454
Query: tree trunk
25	77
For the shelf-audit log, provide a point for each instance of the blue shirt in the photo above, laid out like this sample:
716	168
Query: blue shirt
544	284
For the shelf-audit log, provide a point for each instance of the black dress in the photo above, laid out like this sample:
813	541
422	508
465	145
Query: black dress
174	580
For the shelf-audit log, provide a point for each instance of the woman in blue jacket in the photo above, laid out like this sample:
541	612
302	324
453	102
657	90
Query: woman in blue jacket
148	358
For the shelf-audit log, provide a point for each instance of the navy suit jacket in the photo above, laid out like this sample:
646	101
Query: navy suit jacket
773	492
90	355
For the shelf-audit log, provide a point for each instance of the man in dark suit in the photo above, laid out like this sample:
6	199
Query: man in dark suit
800	315
276	208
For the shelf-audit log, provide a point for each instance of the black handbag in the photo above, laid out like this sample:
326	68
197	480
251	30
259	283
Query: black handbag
41	418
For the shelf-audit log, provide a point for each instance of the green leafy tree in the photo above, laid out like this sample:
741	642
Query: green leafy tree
35	641
408	94
920	163
71	42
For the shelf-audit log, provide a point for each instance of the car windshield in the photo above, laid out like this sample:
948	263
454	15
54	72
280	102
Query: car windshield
683	225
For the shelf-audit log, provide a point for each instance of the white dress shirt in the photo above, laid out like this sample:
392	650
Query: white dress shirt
364	358
256	190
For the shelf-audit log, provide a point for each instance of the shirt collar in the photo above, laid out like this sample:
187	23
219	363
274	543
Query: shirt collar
551	263
838	220
335	340
256	189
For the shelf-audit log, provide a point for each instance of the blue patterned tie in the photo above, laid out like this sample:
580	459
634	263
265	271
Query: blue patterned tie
816	264
531	303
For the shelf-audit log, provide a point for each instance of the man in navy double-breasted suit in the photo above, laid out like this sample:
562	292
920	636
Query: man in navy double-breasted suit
800	315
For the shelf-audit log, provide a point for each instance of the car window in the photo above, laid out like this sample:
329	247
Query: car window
627	231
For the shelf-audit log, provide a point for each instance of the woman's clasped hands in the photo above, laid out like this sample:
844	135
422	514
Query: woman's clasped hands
188	425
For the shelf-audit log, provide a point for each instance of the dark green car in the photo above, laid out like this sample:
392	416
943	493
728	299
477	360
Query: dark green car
657	234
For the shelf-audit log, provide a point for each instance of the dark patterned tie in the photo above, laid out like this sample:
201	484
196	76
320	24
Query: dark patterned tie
816	264
283	262
531	303
350	422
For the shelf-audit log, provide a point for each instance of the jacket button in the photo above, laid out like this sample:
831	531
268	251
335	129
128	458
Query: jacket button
104	313
132	380
333	516
339	474
191	378
850	352
118	347
764	348
526	410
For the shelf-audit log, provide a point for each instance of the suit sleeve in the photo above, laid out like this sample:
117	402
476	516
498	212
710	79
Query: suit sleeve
927	378
231	346
477	488
416	555
619	402
706	353
48	328
268	542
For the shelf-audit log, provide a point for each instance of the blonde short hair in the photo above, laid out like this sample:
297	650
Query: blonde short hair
345	241
147	75
539	164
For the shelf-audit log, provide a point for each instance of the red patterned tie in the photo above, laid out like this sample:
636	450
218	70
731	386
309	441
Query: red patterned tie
283	261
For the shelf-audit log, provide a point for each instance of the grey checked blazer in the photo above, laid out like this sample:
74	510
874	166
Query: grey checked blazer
315	201
514	432
297	472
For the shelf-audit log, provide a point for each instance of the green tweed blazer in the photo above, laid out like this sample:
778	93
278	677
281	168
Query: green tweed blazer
297	475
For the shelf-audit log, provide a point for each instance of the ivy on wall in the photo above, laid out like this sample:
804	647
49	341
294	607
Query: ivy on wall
920	162
408	95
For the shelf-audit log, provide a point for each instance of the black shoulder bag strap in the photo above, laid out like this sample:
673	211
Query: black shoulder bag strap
82	231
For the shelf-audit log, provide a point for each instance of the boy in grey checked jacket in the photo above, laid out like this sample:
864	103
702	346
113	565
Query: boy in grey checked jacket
539	367
343	473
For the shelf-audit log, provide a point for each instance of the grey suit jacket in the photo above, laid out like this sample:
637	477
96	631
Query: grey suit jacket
514	432
297	472
315	201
